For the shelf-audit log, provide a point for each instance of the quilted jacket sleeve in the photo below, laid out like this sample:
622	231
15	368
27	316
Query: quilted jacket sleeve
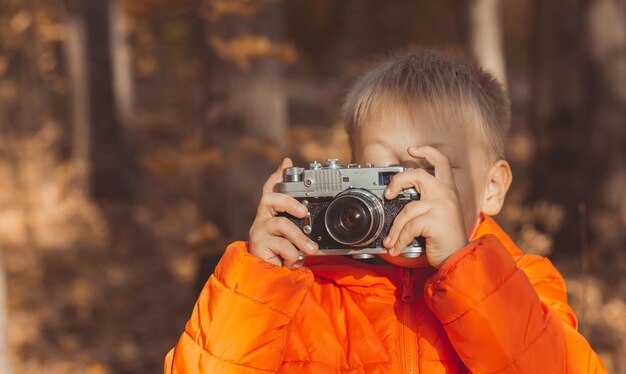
254	302
503	315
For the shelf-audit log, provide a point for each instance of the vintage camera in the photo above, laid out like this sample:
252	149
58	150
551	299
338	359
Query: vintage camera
347	212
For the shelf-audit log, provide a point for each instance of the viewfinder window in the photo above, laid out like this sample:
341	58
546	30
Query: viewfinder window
384	177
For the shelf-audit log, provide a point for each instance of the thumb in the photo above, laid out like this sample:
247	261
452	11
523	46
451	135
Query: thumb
277	176
287	163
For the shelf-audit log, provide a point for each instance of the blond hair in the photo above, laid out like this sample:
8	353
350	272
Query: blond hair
453	88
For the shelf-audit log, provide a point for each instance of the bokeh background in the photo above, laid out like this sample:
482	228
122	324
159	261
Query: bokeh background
135	136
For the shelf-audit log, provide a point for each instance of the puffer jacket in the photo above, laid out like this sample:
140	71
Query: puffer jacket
489	309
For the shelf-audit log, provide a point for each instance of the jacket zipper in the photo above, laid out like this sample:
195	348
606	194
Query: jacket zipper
408	338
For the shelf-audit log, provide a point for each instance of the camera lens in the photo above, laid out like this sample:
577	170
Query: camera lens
350	218
355	217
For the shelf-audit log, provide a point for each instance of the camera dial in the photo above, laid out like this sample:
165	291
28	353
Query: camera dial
293	174
315	165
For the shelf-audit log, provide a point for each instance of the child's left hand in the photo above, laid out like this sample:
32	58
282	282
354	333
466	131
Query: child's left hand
437	216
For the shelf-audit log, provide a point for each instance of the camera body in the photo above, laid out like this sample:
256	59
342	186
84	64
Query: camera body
347	211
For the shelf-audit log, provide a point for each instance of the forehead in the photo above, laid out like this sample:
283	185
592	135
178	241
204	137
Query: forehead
393	131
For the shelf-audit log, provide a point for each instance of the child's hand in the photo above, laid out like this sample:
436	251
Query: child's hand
273	238
437	216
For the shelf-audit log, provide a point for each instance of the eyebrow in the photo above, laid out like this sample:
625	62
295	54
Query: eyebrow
437	146
434	145
416	162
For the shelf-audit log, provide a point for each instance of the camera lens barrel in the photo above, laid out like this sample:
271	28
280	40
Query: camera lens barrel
355	217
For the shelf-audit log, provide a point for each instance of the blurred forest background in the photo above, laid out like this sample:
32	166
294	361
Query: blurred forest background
135	136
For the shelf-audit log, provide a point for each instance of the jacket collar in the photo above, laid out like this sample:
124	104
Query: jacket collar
487	226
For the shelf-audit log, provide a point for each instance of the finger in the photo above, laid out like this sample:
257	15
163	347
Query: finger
419	179
281	226
441	163
273	203
277	176
410	211
286	253
410	231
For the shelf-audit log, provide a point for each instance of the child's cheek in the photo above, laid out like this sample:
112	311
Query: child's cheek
469	199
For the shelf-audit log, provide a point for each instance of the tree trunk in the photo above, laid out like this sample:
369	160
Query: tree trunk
579	115
558	118
122	69
604	143
101	98
246	117
5	358
76	55
485	36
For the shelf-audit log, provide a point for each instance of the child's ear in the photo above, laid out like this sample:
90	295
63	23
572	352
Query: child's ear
498	181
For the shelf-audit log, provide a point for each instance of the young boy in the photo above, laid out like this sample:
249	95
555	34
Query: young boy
473	303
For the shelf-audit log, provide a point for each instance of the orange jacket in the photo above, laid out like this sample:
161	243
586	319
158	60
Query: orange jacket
488	309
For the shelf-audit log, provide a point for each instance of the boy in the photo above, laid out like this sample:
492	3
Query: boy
473	303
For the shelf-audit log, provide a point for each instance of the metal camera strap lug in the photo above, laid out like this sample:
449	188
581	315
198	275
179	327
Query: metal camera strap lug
307	228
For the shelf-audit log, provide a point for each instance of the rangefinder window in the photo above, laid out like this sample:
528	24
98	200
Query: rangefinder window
385	177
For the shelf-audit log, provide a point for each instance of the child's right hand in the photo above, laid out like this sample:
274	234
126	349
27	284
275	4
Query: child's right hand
275	239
